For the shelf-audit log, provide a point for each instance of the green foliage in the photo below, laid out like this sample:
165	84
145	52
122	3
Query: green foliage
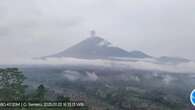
11	84
40	93
13	89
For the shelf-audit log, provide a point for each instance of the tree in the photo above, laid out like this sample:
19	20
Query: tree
11	84
40	93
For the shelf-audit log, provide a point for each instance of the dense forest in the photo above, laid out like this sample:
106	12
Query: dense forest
13	89
101	89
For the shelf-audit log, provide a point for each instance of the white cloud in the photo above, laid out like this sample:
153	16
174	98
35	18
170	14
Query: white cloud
39	27
75	75
92	76
179	68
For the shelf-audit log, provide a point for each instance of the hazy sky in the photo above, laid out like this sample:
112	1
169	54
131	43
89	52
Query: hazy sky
32	28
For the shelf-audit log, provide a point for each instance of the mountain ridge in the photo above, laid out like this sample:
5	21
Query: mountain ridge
96	47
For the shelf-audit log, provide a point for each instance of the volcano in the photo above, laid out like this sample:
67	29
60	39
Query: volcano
96	47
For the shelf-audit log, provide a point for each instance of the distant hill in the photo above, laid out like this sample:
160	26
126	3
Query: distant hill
172	60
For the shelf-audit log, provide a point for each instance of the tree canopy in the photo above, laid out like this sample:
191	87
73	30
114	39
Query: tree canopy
11	84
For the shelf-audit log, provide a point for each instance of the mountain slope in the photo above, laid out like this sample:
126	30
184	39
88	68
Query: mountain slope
139	54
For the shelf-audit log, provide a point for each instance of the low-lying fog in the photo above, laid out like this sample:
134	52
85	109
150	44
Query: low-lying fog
115	64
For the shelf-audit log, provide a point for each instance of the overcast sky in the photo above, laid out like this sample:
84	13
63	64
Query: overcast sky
33	28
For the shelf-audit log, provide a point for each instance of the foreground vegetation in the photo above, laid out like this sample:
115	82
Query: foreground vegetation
12	88
101	89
